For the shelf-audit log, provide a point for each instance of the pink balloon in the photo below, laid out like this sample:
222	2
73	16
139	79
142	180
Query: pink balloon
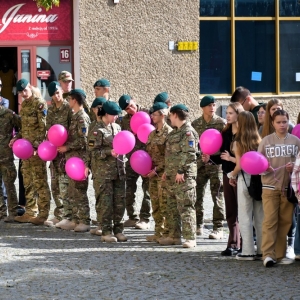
141	162
123	142
22	148
47	151
210	141
75	168
296	131
254	163
57	135
139	119
144	131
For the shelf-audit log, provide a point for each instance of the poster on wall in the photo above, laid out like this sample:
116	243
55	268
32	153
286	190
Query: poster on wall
24	21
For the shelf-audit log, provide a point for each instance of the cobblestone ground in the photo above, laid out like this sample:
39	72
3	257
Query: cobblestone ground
46	263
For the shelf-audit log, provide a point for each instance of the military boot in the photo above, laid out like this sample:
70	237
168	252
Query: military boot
51	222
96	231
109	238
165	241
121	237
142	224
200	229
82	228
62	222
130	223
216	234
23	219
152	238
189	244
68	225
38	220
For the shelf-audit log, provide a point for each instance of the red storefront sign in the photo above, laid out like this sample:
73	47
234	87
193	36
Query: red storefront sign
24	21
43	74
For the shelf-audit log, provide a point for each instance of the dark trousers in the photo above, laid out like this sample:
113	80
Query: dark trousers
231	208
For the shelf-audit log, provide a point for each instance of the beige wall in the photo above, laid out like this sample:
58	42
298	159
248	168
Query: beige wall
127	43
291	103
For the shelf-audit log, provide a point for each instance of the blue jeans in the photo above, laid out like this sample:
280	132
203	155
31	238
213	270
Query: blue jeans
297	235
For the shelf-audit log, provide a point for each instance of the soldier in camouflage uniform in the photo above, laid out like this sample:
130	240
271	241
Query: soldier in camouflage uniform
210	170
8	172
180	177
58	113
77	203
155	146
164	98
95	107
129	105
33	120
108	174
65	80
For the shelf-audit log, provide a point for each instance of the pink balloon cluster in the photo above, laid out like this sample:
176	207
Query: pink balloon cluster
141	162
140	124
22	148
210	141
75	168
254	163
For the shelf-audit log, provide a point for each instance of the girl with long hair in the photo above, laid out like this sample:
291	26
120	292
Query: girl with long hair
249	210
280	148
230	192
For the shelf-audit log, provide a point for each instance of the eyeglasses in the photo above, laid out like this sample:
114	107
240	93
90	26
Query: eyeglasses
244	100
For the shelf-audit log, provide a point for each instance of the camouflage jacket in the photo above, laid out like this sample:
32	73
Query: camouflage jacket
99	158
33	121
77	136
8	121
59	115
181	150
200	126
156	145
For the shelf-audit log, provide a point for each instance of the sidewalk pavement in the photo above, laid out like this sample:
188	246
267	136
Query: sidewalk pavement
39	262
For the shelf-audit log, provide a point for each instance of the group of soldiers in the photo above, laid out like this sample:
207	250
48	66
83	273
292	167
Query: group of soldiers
174	187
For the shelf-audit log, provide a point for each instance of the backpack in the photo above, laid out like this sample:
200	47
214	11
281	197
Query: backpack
255	187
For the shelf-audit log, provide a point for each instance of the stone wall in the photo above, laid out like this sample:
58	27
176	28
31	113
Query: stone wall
127	43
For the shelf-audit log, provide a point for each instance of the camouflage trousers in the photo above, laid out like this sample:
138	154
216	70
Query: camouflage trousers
181	199
8	174
76	206
59	187
110	204
131	205
213	173
37	191
159	206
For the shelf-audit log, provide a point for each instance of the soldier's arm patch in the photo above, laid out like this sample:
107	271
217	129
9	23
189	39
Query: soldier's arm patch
191	143
45	112
188	133
83	129
81	121
41	106
91	143
95	133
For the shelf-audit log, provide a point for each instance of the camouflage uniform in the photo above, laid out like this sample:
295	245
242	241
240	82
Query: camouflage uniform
8	171
180	156
76	208
33	118
108	177
59	179
132	177
212	172
155	146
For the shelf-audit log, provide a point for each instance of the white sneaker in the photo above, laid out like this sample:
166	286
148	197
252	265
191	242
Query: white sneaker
290	254
269	262
286	261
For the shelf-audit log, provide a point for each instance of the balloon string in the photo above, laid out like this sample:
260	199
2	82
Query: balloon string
213	163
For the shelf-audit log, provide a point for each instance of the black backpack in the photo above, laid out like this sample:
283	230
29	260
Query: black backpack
255	187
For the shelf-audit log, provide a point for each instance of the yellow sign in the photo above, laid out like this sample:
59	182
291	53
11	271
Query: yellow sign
187	46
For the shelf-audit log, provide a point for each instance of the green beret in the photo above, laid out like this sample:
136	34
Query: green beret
179	106
124	101
162	97
206	100
111	108
102	82
98	101
78	91
158	106
21	84
53	87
